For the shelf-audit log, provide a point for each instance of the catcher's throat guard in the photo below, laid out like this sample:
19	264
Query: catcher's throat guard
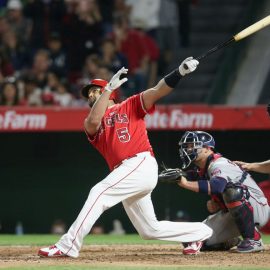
189	144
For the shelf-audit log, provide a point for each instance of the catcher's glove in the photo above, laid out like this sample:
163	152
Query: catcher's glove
171	175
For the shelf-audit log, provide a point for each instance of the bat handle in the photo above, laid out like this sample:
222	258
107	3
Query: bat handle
214	49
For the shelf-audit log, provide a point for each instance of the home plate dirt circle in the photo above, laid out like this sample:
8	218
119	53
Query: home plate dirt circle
133	255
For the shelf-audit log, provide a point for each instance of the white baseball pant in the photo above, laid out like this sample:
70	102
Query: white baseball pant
131	183
224	226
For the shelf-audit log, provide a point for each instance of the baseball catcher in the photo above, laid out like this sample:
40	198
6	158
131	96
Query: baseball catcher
238	206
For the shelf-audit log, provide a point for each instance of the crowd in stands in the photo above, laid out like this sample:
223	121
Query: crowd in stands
49	49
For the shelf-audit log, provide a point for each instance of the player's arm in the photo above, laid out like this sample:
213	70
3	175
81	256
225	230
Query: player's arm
216	185
260	167
93	120
166	85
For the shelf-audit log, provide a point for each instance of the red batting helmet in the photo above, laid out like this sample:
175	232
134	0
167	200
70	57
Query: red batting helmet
96	82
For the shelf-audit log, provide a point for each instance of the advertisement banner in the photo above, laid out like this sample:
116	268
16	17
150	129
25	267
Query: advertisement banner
169	117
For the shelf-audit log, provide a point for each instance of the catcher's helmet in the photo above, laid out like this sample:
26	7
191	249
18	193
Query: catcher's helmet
96	82
190	142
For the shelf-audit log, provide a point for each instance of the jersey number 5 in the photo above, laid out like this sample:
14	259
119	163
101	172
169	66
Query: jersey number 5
123	134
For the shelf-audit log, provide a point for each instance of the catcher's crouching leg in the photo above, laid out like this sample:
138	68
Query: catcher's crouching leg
236	200
221	246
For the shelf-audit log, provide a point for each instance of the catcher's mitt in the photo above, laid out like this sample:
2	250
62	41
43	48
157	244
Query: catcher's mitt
171	175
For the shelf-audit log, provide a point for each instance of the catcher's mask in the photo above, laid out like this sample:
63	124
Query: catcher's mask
96	82
190	142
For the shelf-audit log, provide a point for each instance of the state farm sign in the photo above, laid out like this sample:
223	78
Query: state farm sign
11	120
165	117
177	119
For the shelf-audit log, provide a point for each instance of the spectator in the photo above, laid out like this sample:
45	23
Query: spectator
4	26
47	17
6	68
32	93
47	98
19	24
57	55
53	81
86	17
14	51
90	68
62	97
106	8
40	67
146	12
152	52
129	42
111	57
121	8
167	34
9	95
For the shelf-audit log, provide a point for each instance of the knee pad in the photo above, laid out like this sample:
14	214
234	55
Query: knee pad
233	196
236	201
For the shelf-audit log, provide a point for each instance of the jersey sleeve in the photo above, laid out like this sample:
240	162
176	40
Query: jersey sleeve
226	169
135	103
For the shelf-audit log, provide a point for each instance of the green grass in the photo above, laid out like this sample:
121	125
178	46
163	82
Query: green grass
41	240
44	239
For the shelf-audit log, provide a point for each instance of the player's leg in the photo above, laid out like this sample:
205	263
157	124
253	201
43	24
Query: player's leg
142	215
236	198
261	217
260	210
225	232
120	184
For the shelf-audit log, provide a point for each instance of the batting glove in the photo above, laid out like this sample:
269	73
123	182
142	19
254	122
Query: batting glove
188	66
115	81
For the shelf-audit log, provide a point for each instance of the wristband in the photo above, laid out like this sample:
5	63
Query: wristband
203	186
173	78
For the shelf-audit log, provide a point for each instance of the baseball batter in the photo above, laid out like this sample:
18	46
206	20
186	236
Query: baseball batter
119	133
237	204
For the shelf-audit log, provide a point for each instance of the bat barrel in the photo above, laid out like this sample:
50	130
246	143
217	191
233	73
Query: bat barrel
244	33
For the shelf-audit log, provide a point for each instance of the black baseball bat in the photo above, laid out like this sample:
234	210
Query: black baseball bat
214	49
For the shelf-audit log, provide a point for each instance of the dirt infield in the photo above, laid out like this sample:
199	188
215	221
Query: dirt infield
133	255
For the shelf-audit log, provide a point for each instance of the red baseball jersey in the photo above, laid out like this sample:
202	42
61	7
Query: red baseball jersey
122	133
